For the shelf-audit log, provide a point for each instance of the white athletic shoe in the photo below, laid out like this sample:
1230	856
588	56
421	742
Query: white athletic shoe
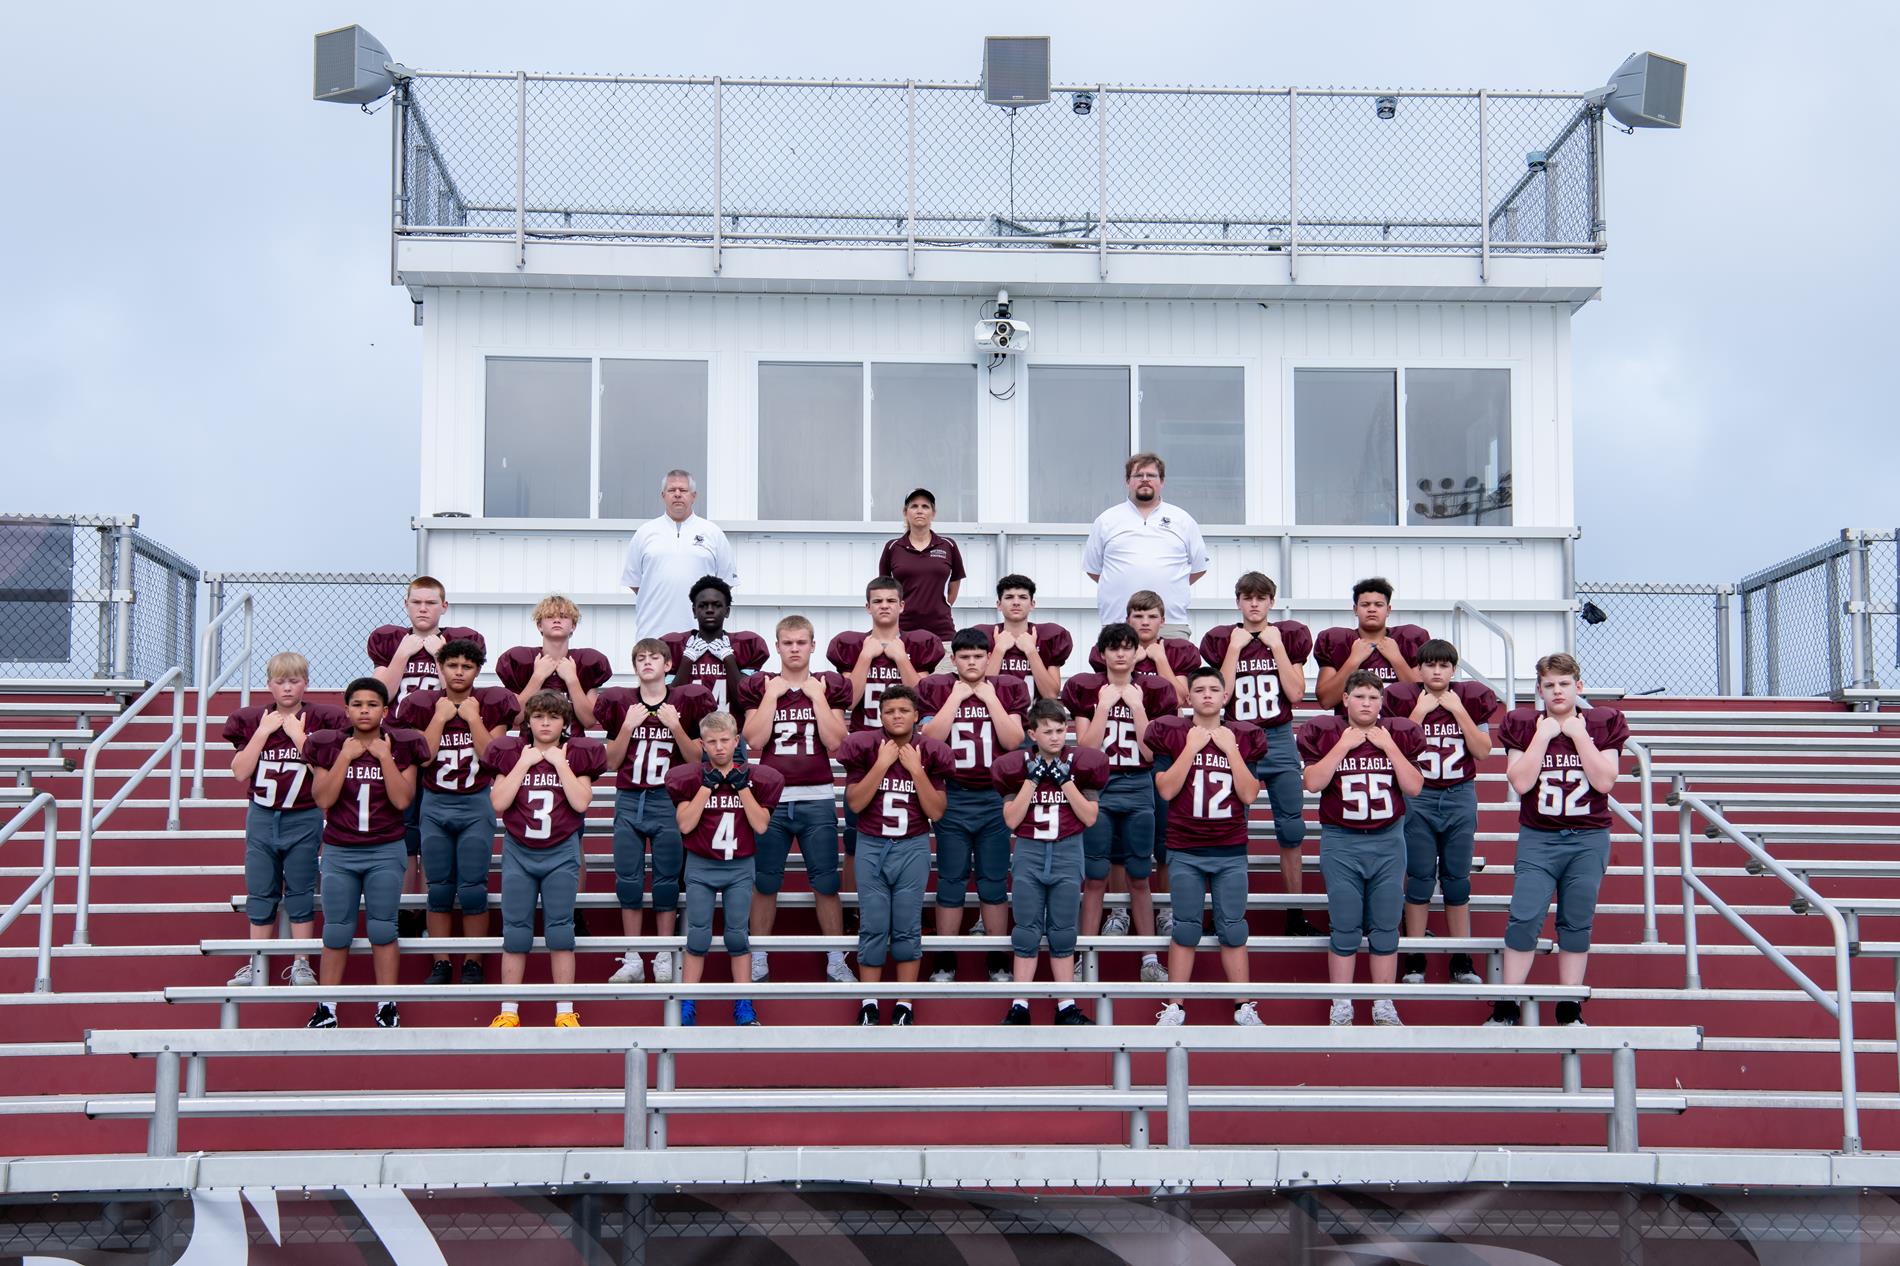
1383	1012
300	972
1116	924
246	975
761	970
1164	921
1170	1016
663	968
1153	973
837	971
1341	1014
1245	1015
630	972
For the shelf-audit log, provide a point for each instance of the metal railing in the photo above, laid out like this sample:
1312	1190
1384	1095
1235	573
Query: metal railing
213	679
796	162
41	886
1463	611
90	596
90	820
1643	822
1826	620
1837	1003
645	1121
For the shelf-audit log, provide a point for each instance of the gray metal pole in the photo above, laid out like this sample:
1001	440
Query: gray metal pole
1623	1099
910	181
108	609
634	1135
1484	193
161	1138
122	631
1101	182
1177	1060
1836	669
49	857
719	175
1292	184
1685	858
1749	650
1724	671
1771	652
1859	622
521	169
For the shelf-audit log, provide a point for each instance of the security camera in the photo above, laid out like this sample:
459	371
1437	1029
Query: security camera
1002	336
1002	304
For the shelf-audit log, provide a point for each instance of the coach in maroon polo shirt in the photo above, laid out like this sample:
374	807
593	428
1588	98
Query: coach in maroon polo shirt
928	566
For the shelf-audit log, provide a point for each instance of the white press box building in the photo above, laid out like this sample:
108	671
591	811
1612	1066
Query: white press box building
1344	318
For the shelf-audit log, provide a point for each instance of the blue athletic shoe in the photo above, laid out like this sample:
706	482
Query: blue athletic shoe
688	1016
743	1014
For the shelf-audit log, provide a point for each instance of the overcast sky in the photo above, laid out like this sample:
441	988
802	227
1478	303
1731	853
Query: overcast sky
198	324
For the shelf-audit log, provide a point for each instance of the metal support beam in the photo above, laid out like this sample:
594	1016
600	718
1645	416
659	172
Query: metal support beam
634	1136
161	1138
1177	1064
1724	633
521	169
122	631
1623	1100
719	176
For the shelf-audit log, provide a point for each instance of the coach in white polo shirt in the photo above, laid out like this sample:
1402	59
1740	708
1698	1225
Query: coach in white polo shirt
668	554
1145	543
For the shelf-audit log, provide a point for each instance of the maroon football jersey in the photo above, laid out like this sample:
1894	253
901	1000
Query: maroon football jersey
1257	694
1183	658
420	673
652	751
1206	813
973	743
1050	815
1443	760
925	652
540	816
895	812
1334	646
1120	743
1364	794
364	814
794	750
1053	643
723	832
1563	799
282	777
925	577
748	648
456	770
516	668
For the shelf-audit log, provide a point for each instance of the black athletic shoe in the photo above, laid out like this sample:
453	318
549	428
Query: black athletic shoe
387	1016
902	1014
998	966
1463	972
1072	1014
1297	924
943	966
1018	1014
1504	1014
472	973
867	1014
1412	969
441	973
321	1018
1570	1013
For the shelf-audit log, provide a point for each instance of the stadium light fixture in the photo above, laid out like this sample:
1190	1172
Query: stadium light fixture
352	67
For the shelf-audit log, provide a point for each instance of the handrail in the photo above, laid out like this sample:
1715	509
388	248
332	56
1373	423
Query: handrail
1460	607
1839	1004
89	821
43	882
207	686
1645	828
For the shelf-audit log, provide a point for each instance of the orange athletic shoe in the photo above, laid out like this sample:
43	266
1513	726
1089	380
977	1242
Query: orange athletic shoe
506	1020
568	1020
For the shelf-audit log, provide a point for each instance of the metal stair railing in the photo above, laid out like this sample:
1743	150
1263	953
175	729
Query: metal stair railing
90	820
1461	611
1838	1003
209	686
41	886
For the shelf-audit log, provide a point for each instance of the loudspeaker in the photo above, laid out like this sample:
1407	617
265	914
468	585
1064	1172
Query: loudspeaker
1648	91
1016	70
351	67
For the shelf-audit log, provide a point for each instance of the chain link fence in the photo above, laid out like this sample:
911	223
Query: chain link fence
1656	639
1824	620
324	616
1119	168
90	596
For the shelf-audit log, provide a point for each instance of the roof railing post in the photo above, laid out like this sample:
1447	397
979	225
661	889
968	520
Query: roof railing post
910	178
521	170
718	174
1101	180
1724	669
1859	622
1484	193
1771	652
122	631
1292	184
